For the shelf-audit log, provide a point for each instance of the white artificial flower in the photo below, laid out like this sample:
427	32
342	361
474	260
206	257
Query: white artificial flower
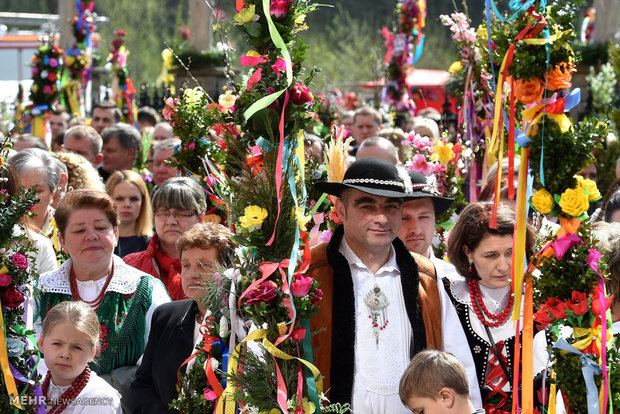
223	326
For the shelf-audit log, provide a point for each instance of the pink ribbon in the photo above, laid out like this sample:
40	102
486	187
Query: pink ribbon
279	168
562	244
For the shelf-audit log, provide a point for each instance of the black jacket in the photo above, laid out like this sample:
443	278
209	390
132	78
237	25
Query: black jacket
171	342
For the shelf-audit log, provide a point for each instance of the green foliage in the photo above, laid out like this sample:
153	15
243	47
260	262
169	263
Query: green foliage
576	149
572	273
606	165
569	379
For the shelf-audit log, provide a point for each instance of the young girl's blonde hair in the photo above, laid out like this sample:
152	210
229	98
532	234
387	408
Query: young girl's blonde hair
77	314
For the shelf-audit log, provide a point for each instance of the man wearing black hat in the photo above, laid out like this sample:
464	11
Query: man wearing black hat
379	306
420	208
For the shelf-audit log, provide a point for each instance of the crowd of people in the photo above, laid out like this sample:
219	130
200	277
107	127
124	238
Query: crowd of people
117	309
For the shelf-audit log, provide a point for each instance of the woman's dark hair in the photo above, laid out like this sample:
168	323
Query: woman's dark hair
612	205
473	225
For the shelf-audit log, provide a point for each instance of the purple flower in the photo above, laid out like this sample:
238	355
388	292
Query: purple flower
20	261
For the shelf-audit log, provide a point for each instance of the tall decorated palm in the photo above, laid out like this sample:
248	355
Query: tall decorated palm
246	149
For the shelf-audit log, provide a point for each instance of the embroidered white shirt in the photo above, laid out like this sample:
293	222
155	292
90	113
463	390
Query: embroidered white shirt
378	367
97	396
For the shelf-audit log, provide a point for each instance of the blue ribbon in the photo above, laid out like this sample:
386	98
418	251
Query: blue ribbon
572	99
589	368
418	49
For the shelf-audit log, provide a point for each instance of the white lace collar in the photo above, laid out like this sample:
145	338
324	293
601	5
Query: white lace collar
124	281
494	299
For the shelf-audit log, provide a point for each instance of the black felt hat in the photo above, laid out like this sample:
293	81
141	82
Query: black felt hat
423	186
370	175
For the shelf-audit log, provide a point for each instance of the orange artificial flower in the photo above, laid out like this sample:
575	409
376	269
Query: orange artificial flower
529	91
560	77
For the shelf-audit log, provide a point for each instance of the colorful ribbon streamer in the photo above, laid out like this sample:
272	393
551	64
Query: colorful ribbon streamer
9	380
589	368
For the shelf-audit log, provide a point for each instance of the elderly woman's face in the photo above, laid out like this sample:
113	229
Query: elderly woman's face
194	270
89	237
29	179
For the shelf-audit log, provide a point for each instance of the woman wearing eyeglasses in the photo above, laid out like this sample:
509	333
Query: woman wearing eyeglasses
177	205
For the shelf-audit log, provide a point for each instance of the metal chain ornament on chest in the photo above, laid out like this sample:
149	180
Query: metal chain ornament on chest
377	304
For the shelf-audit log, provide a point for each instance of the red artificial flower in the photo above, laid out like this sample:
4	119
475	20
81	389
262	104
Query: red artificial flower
542	317
215	105
222	144
301	94
557	308
12	298
20	261
120	33
318	295
596	302
578	303
265	292
279	8
220	128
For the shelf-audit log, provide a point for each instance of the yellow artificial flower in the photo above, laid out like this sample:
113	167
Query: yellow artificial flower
253	218
301	218
300	23
574	201
246	14
4	270
193	96
593	192
443	152
227	100
309	407
455	67
482	33
542	201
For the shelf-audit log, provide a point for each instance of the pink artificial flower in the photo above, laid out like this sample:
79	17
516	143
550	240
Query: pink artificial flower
266	292
53	62
255	78
301	94
190	146
47	90
170	109
421	143
34	71
301	285
318	295
20	261
279	66
419	164
5	280
252	60
326	236
279	8
121	60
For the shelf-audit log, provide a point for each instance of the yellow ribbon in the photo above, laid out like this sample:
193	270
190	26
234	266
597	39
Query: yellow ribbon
552	395
534	115
545	41
71	89
589	334
227	395
520	233
6	370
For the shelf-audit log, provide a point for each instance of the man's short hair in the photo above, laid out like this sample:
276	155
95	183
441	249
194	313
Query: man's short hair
167	144
430	371
109	105
148	115
128	137
367	110
85	132
35	141
385	144
60	110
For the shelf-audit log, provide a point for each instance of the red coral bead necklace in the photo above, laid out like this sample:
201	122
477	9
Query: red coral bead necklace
481	310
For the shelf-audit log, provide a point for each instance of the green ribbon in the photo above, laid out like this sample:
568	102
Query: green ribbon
22	331
277	40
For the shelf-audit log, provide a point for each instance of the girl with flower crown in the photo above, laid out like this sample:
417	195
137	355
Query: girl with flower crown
69	341
483	298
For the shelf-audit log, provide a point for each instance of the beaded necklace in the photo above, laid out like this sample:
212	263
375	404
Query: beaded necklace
76	293
481	310
70	394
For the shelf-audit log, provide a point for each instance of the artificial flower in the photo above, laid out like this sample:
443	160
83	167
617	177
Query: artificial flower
302	219
193	96
252	58
279	8
455	67
227	99
591	338
560	77
253	217
301	285
578	304
245	15
212	218
590	186
442	152
5	280
563	243
20	261
265	292
543	318
15	347
556	308
318	293
301	94
574	202
12	298
596	302
529	91
279	66
309	407
419	164
542	201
